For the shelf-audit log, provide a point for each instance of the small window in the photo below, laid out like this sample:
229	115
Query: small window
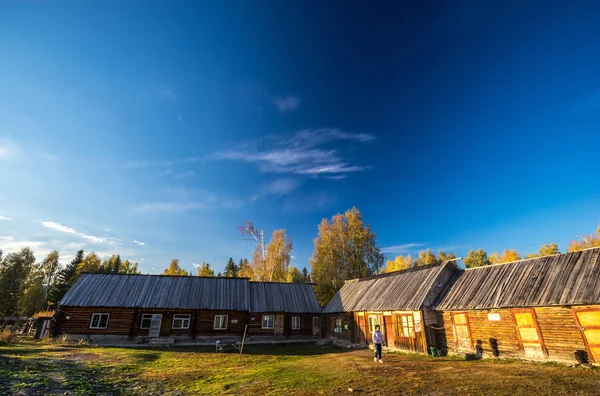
99	321
268	322
338	325
372	323
146	321
405	326
181	321
295	322
221	322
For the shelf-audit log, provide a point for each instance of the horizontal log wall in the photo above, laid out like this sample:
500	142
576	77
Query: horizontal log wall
344	334
77	321
560	332
255	324
128	321
487	334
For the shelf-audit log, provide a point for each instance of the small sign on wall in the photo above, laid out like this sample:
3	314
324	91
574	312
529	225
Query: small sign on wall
494	317
417	327
234	321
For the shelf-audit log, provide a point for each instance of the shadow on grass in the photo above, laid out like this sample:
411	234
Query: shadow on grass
49	376
274	349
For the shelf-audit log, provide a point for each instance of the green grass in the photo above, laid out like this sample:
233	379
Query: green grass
31	368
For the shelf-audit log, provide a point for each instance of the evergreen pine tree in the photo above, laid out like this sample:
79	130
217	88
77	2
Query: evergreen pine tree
65	279
231	269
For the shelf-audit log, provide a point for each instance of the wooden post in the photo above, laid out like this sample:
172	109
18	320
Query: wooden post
243	340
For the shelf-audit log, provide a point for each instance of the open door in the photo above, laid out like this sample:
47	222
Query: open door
589	324
528	333
154	330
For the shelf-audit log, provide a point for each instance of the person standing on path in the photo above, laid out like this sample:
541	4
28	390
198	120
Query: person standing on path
378	341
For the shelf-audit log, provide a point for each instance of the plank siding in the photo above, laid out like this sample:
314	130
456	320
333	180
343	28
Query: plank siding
562	338
560	332
254	321
78	322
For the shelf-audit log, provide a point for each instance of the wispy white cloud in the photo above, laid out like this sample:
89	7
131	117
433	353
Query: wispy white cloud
277	187
286	104
138	242
407	247
8	238
304	153
8	150
69	230
5	218
144	164
183	200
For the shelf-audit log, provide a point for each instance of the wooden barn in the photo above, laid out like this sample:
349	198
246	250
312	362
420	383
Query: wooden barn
544	308
400	302
141	307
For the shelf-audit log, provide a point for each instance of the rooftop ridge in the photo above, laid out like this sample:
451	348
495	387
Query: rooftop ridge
531	258
166	276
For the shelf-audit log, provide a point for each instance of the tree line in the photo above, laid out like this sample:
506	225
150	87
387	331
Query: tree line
479	257
27	287
345	248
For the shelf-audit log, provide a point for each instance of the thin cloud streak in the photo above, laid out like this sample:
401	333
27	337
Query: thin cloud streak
69	230
8	150
407	247
183	200
138	242
286	104
277	187
5	218
301	154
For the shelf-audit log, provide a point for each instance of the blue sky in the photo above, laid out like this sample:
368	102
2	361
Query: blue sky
152	129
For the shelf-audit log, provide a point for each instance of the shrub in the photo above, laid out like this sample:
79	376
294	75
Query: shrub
7	337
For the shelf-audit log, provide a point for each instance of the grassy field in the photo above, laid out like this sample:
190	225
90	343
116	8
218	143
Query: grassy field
32	368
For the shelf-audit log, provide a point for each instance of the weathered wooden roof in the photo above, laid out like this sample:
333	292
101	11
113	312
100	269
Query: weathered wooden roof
156	291
283	297
565	279
190	292
402	290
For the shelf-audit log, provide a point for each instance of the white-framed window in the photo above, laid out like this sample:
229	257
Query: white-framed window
338	325
316	321
268	322
295	322
181	321
372	323
221	322
99	321
146	321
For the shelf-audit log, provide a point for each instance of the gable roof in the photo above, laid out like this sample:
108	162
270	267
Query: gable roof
564	279
409	289
283	297
189	292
